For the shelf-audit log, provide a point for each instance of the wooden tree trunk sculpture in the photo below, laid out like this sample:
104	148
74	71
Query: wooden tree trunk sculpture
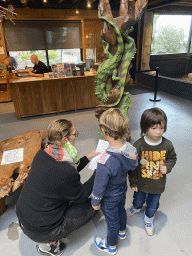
13	175
119	49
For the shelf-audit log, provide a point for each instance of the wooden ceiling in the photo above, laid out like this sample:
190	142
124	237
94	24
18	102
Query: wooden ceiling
165	6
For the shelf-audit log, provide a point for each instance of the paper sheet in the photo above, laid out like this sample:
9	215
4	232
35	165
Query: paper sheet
101	147
12	156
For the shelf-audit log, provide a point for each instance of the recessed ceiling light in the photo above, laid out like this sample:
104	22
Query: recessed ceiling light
88	4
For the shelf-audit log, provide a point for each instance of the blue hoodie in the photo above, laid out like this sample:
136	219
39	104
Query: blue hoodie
111	175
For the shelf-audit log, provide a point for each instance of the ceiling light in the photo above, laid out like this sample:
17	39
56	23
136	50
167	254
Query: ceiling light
44	1
88	4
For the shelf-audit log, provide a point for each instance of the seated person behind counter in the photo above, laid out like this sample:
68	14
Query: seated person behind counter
38	70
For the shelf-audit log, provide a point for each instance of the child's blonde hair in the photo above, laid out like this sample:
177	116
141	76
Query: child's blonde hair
57	130
114	124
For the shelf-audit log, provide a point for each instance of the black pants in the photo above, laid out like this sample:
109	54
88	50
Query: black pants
76	216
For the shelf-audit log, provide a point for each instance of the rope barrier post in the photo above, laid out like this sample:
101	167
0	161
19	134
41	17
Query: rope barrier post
156	81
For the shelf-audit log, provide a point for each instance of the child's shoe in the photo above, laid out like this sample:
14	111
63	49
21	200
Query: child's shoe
122	234
149	228
102	246
55	249
131	211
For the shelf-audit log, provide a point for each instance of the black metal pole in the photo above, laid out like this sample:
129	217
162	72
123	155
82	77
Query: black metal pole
156	82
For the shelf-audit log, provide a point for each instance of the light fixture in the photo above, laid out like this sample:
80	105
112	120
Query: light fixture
44	1
77	12
89	4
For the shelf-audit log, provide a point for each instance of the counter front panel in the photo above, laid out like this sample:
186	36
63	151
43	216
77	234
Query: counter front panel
43	96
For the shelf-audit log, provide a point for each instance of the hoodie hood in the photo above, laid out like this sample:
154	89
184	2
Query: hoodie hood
127	156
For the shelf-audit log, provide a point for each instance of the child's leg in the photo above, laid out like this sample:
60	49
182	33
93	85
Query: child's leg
152	205
122	213
138	201
123	217
111	211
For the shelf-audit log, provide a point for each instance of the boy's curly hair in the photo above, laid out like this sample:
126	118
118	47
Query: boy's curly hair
114	124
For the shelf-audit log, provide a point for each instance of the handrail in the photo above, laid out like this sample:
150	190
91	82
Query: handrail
156	81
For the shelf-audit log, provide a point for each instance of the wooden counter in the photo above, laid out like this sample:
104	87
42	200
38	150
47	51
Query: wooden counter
5	94
36	96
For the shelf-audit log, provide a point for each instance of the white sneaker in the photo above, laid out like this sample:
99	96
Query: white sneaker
122	234
149	228
131	211
102	246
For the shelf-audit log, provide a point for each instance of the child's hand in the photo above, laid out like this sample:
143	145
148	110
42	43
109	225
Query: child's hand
96	208
135	189
92	154
163	169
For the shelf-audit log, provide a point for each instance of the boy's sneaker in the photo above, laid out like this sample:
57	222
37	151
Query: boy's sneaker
56	249
122	234
131	211
149	228
102	246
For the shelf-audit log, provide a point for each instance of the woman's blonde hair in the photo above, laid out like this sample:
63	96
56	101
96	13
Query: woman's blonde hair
57	130
114	124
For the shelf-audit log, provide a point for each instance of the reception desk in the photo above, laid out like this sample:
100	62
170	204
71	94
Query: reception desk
36	96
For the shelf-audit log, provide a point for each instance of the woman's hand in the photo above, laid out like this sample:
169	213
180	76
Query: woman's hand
92	154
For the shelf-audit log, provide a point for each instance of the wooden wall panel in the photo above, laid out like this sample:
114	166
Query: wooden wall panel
92	36
54	14
2	44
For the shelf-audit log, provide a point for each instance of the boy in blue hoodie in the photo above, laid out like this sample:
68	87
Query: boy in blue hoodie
110	185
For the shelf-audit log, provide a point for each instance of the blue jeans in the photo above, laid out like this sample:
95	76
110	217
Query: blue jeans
152	201
115	215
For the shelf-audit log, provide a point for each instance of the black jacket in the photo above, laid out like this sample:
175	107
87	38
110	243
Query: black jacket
48	190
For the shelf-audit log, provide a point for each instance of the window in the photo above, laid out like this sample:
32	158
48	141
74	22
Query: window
24	60
64	55
170	34
60	41
55	56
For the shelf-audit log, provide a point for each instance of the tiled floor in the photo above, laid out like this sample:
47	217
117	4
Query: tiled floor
173	221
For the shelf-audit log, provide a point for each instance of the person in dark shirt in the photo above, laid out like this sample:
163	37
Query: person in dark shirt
39	67
53	201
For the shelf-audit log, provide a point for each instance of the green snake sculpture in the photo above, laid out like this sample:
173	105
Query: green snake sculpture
112	73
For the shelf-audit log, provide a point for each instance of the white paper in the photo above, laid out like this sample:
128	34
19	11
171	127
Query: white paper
101	147
12	156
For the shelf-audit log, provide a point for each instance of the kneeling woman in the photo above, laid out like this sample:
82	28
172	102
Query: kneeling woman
53	201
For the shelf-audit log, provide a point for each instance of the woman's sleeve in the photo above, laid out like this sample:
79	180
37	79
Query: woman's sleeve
74	190
83	161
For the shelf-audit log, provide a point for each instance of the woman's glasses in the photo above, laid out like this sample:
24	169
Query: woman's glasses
75	134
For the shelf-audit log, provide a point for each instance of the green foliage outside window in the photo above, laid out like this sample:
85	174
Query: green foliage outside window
168	39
